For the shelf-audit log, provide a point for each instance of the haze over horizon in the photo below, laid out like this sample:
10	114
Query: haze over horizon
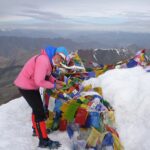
96	15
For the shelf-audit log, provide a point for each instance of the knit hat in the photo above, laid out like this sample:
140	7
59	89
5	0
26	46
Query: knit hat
50	51
62	51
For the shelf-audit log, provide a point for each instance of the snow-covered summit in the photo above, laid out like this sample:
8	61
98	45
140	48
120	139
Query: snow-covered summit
126	89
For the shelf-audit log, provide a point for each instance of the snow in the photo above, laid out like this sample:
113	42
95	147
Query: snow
128	92
16	128
126	89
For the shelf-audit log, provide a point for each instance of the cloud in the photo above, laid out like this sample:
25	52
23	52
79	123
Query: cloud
80	14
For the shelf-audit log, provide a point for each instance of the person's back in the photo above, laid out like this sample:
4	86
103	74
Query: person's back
32	73
26	74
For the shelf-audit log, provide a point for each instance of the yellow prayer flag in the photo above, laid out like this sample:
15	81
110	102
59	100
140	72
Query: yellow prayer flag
101	137
64	107
111	116
93	137
49	121
98	90
84	106
117	143
87	87
98	72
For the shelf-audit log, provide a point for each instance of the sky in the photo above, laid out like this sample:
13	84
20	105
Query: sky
127	90
93	15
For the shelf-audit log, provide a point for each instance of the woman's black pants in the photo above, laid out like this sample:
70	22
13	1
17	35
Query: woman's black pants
33	98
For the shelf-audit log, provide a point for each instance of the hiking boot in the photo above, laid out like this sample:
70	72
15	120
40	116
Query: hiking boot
44	141
47	143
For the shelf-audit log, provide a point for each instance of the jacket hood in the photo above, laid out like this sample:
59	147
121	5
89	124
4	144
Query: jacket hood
50	51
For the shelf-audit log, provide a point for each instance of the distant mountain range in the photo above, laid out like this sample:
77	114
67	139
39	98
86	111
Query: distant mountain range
87	39
104	56
11	46
14	52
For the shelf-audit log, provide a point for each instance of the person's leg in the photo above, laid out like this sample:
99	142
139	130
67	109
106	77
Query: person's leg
33	98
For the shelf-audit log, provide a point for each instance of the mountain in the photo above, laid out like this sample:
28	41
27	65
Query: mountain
15	51
104	56
111	39
9	69
29	33
4	62
11	46
88	39
127	90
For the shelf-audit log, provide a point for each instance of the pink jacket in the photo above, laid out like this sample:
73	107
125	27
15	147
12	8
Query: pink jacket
32	75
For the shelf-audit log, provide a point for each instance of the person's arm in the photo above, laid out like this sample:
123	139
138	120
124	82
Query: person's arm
41	67
54	80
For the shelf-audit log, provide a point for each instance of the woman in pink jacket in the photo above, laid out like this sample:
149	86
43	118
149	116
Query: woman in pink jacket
36	73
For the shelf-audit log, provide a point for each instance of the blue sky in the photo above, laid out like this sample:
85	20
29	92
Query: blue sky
101	15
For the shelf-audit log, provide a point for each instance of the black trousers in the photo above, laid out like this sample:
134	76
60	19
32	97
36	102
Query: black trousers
33	98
